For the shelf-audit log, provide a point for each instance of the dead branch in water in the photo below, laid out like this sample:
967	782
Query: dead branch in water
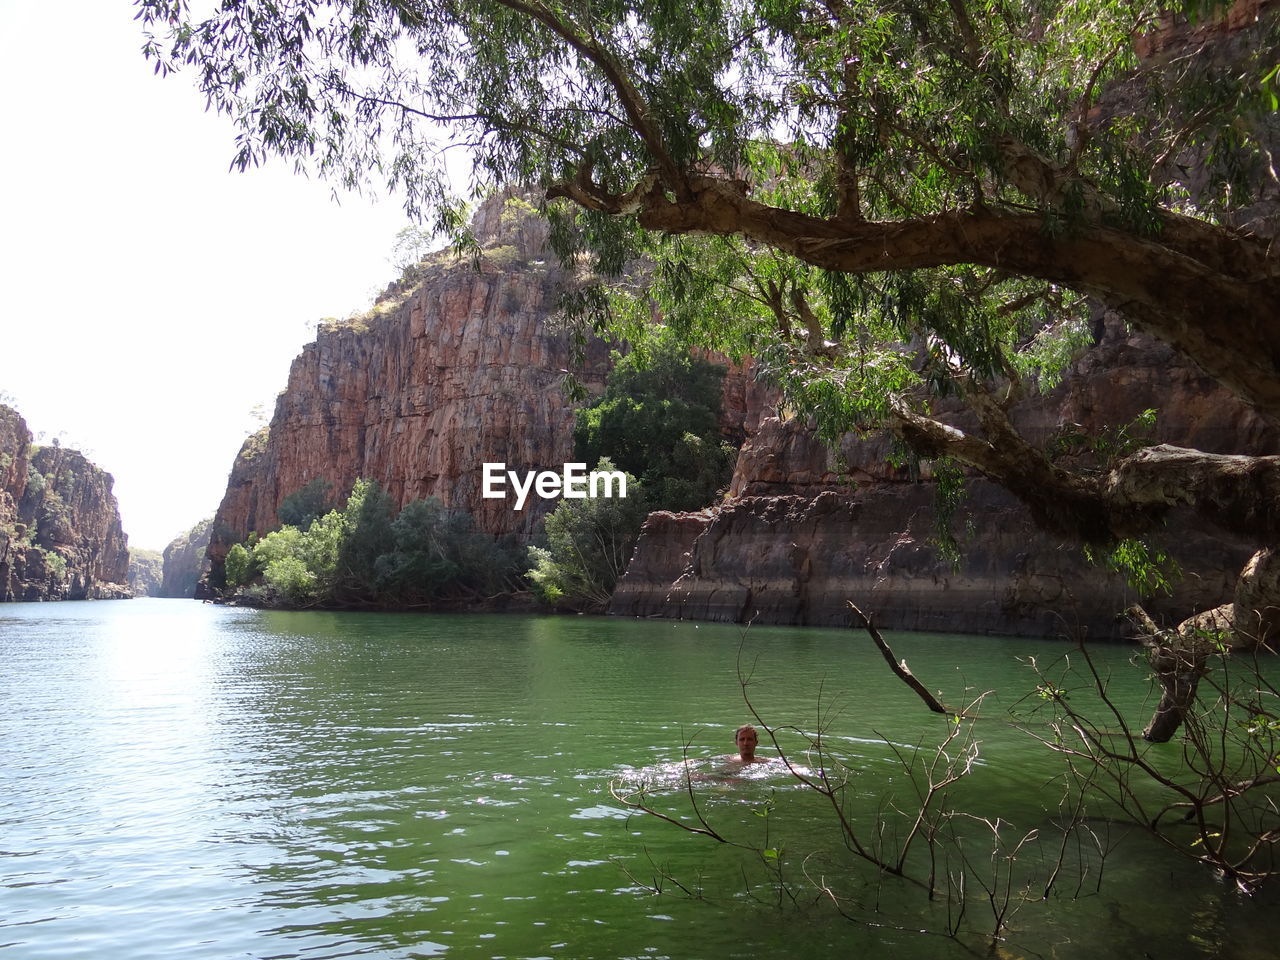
900	668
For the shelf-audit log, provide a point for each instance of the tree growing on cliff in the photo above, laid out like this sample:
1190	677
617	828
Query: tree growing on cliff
659	419
883	201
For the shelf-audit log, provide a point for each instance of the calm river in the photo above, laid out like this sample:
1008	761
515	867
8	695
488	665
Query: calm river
184	780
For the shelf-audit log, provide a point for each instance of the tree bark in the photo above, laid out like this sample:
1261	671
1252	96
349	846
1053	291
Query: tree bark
900	668
1179	658
1236	493
1256	609
1179	671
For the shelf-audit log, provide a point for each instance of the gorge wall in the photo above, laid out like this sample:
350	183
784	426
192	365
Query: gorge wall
807	529
454	367
60	532
146	571
183	562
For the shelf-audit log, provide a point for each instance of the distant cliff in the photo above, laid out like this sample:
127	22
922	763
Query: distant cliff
454	367
146	571
184	561
60	533
807	529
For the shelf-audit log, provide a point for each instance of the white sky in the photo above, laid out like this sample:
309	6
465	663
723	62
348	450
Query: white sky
148	297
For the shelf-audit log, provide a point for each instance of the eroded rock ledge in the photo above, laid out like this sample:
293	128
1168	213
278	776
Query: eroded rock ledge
807	529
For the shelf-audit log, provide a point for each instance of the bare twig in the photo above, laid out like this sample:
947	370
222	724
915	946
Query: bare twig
900	668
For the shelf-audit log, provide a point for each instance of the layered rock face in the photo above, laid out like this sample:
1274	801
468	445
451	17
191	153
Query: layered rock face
807	529
60	532
184	562
452	369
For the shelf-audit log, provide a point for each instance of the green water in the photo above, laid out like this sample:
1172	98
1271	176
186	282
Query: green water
178	779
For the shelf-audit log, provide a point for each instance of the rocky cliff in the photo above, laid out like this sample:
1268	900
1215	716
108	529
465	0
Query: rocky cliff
454	367
184	562
60	532
807	529
146	571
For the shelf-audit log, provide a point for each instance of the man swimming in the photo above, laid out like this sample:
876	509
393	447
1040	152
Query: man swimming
747	739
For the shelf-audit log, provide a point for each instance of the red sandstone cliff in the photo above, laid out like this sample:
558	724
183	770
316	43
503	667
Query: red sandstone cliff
807	529
60	533
451	370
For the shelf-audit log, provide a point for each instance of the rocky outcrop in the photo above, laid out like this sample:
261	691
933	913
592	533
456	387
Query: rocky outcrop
146	572
454	367
184	561
60	532
456	370
807	529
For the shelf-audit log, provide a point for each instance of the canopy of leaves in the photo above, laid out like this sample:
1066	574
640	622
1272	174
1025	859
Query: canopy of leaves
866	110
880	200
659	419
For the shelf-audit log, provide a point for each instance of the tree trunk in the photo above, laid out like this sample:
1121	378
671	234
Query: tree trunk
1179	672
1256	613
1179	657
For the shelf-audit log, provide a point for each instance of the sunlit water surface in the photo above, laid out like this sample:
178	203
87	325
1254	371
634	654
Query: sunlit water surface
179	779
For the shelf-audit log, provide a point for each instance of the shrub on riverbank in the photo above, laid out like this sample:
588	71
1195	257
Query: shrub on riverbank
367	555
589	544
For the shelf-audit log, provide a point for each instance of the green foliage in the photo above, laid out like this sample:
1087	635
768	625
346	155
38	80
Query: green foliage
1146	569
236	566
437	552
504	257
354	324
367	555
1109	444
589	544
255	444
412	243
659	419
363	537
303	507
56	564
917	98
545	576
291	580
949	490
